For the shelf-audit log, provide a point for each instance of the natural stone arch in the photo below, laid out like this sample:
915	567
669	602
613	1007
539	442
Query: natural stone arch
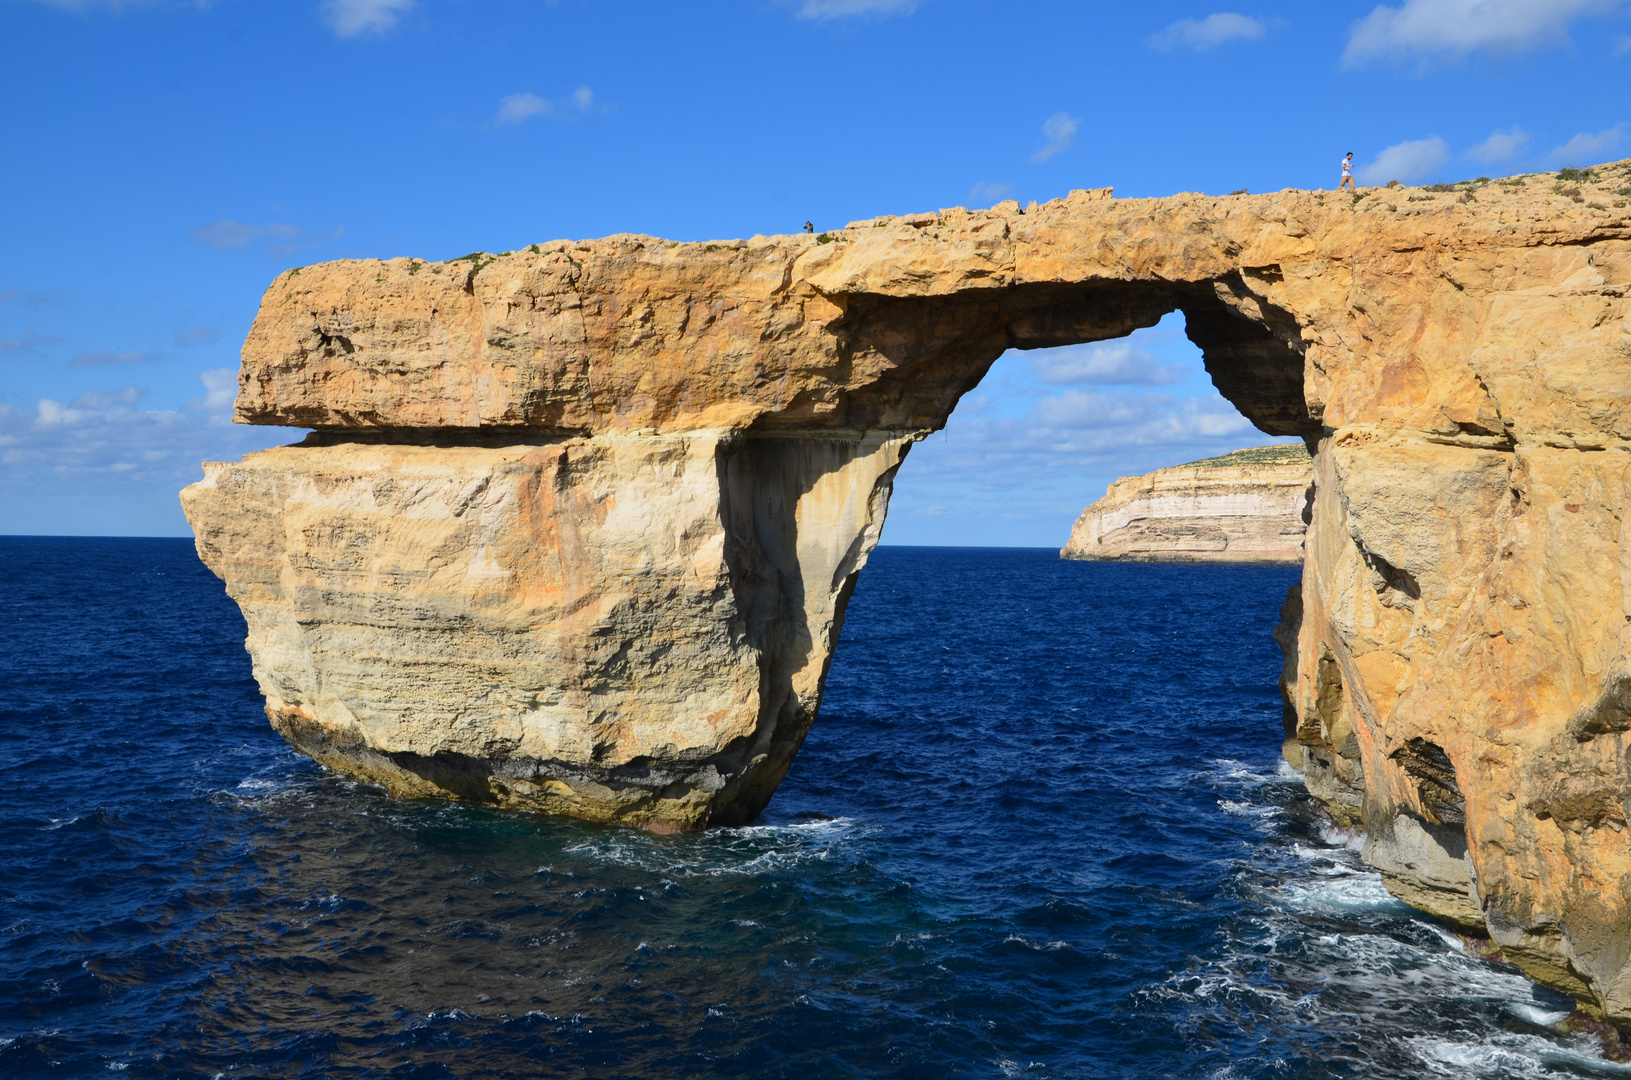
579	522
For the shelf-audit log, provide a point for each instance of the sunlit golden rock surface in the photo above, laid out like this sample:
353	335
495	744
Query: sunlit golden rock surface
581	519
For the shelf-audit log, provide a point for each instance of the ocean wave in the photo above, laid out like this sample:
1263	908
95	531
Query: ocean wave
751	850
1338	890
1518	1057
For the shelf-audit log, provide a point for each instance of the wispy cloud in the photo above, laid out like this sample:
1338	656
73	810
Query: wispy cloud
1104	363
1026	450
1622	45
1451	29
29	343
1587	148
839	9
105	358
1060	131
353	18
220	390
106	438
228	235
1207	33
198	335
77	6
24	296
1500	146
983	192
1100	421
1046	465
519	108
123	398
1407	162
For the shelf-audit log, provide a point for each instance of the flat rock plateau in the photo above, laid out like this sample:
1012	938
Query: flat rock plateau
1246	506
578	522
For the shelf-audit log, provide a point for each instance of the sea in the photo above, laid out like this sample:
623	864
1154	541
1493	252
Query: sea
1041	829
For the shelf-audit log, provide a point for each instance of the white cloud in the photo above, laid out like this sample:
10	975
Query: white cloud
1060	131
1098	422
125	396
1622	45
519	108
1065	437
1454	28
104	438
1588	148
838	9
104	358
1214	30
351	18
1500	146
228	235
1104	363
220	390
982	191
1022	454
1406	162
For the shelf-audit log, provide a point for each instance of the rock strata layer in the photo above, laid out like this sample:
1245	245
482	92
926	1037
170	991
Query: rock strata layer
1247	506
579	521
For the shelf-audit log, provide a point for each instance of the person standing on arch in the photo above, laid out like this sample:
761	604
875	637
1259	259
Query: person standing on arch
1347	172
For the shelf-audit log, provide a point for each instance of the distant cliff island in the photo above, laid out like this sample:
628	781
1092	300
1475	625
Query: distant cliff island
1247	506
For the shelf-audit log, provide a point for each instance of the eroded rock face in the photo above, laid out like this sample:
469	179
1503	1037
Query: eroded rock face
621	628
1248	506
580	521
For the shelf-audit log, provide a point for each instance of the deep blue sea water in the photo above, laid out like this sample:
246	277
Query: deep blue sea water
1040	830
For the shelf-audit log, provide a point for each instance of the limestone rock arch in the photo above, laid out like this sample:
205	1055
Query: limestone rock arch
578	522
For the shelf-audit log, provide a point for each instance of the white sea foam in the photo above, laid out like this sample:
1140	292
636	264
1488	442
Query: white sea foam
1050	946
1338	837
1482	1057
1534	1014
1260	811
1451	939
1518	1056
751	850
1339	890
1241	772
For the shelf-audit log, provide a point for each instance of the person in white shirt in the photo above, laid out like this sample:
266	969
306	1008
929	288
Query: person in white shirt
1347	172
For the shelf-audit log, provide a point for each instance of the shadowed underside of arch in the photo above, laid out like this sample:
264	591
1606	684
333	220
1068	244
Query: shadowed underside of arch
577	525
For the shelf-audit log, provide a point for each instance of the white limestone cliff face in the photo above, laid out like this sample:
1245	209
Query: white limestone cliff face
1246	506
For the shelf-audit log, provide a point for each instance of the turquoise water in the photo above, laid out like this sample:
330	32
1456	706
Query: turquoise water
1040	830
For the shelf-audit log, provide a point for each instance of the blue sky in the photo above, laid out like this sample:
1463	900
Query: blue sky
165	159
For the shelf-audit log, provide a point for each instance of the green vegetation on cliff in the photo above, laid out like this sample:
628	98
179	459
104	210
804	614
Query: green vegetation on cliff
1282	454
